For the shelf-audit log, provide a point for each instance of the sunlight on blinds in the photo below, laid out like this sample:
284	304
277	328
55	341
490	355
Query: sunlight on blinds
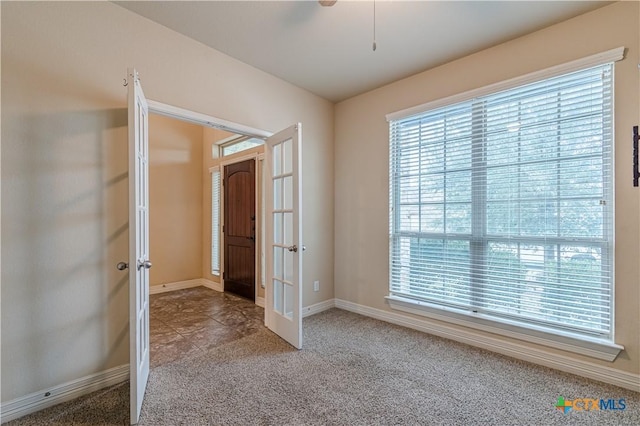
503	204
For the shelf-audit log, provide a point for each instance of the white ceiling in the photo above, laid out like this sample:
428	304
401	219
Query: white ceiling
328	50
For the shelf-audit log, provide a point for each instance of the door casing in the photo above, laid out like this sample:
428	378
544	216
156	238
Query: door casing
258	156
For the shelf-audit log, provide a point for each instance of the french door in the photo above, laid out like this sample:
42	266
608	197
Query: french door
283	304
139	263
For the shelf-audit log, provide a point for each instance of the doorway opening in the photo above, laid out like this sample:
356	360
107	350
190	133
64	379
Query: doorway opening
225	145
283	307
197	271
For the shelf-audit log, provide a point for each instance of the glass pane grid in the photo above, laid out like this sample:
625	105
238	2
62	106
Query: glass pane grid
503	204
282	217
241	145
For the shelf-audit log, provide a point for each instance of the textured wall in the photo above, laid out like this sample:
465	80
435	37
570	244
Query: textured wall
64	174
362	155
175	200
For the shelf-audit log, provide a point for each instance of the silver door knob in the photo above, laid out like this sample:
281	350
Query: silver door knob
146	264
293	248
122	266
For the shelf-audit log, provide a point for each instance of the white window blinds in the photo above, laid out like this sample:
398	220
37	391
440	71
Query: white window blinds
215	222
503	204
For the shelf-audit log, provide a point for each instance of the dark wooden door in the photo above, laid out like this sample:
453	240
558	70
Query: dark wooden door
240	228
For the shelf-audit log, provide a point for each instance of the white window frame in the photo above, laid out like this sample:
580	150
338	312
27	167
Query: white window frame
601	348
216	230
235	140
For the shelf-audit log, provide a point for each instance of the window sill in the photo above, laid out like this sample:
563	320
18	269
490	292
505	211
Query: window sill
589	346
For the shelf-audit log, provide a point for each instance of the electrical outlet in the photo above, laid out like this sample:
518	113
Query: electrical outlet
316	286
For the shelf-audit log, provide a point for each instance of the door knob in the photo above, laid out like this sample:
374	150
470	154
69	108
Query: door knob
121	266
293	248
144	264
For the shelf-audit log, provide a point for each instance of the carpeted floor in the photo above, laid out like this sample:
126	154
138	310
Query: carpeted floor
353	370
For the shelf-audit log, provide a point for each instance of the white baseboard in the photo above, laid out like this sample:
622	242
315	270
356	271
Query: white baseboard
260	301
177	285
316	308
28	404
513	349
211	284
181	285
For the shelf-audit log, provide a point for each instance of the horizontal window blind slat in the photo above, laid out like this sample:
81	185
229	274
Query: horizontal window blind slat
504	203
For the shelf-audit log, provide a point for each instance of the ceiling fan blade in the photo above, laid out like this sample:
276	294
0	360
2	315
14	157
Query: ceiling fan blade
327	3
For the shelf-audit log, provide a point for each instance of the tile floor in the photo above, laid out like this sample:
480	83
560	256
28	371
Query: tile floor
191	321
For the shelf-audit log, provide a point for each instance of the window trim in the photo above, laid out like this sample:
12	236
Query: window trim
216	232
600	348
580	344
235	140
602	58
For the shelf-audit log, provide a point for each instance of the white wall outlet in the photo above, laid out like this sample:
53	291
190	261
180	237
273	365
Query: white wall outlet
316	286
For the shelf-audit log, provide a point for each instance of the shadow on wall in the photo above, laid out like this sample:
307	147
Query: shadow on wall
64	227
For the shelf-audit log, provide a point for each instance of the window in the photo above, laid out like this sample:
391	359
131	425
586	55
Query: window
215	221
502	206
241	144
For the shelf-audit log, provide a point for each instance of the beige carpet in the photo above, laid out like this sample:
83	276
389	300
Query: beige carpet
352	371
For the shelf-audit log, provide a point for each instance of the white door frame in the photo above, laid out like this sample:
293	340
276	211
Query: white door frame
283	304
204	120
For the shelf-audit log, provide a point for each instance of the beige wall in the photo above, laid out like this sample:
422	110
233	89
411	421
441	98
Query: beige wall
175	200
362	155
64	174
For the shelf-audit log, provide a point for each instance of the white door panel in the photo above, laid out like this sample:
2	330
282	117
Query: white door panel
283	304
138	242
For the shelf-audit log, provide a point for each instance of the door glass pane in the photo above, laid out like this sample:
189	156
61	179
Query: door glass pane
287	155
141	169
277	194
288	193
288	265
277	160
277	296
141	235
288	301
288	229
277	263
140	129
277	228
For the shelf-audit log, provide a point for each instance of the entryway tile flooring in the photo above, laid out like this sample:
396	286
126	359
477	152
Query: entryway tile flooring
191	321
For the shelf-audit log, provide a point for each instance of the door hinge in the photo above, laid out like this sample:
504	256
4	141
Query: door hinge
224	275
223	229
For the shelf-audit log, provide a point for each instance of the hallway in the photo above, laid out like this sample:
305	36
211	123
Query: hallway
194	320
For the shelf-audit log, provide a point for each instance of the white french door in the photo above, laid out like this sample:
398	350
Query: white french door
283	305
139	263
